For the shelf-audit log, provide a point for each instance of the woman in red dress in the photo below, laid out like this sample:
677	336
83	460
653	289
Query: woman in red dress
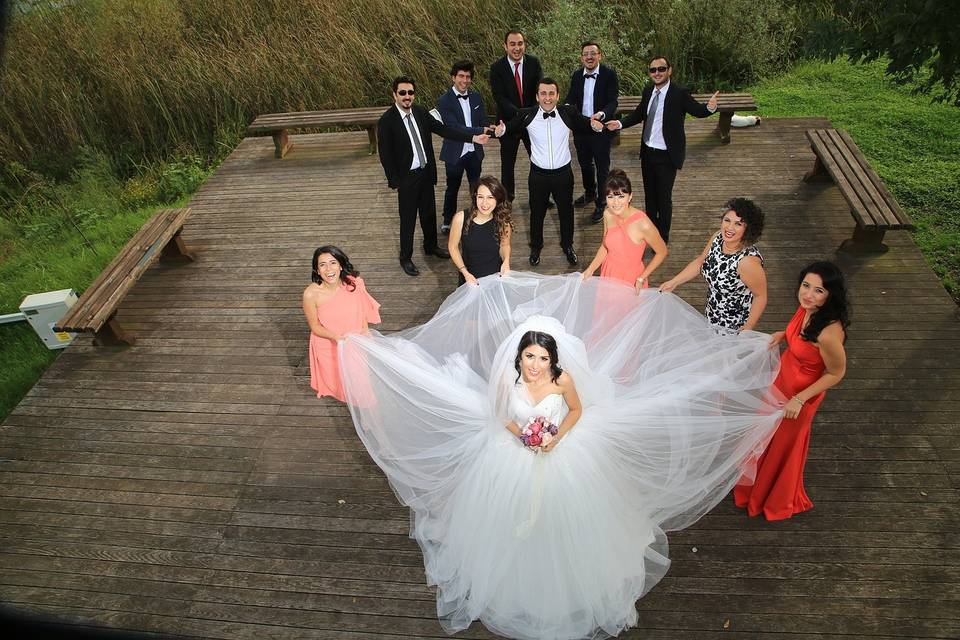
335	303
813	362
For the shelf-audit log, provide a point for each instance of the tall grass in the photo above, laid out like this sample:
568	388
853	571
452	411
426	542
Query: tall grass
138	78
144	77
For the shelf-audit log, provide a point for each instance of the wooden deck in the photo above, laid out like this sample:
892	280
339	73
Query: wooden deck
193	484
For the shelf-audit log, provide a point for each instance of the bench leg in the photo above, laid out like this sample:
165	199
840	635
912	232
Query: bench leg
372	137
281	143
818	173
176	250
111	334
723	127
864	241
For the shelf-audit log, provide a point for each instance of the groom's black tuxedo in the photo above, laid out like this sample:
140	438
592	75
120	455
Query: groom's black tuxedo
546	181
414	187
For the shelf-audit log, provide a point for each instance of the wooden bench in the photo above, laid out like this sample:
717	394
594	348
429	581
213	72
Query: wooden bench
873	207
727	104
158	238
277	124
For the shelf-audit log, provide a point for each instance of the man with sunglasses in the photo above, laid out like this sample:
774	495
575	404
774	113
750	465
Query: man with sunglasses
593	91
405	147
662	110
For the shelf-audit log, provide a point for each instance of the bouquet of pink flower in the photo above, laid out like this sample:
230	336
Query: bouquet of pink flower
538	432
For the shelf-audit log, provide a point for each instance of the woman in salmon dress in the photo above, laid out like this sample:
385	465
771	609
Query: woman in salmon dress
336	303
814	361
626	233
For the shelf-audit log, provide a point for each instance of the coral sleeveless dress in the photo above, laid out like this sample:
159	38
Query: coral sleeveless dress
342	313
624	259
778	490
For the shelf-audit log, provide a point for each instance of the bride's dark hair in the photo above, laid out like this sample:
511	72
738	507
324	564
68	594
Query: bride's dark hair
544	340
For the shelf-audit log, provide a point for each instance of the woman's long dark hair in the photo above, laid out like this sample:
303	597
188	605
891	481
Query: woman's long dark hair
544	340
347	270
502	213
837	306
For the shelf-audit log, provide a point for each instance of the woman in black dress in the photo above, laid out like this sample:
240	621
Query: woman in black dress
479	241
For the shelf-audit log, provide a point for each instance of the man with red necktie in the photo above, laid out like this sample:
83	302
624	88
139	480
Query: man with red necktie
513	81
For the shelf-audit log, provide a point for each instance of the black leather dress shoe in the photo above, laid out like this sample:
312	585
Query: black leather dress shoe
409	268
597	215
437	251
534	257
571	255
585	199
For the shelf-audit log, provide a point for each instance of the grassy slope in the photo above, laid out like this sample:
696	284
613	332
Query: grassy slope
912	143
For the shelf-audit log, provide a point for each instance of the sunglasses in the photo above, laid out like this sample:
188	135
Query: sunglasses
405	92
657	69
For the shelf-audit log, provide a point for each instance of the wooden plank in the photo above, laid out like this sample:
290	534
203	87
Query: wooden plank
191	484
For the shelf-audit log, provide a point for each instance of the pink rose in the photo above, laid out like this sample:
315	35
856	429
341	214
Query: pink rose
535	440
536	427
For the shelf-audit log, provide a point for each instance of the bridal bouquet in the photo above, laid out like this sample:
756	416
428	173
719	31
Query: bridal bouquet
538	432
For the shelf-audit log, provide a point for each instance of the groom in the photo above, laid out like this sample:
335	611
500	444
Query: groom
405	147
549	128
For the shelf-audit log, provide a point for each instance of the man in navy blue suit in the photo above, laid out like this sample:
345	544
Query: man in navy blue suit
461	106
593	91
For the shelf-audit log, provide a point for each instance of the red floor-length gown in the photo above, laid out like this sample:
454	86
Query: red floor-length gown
342	313
778	491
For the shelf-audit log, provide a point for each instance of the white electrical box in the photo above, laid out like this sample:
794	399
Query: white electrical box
43	310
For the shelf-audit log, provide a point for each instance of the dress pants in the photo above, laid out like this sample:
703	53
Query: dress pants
469	162
509	144
542	184
415	196
593	156
659	174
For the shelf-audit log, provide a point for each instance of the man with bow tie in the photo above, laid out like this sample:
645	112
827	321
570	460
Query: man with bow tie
460	106
593	91
549	126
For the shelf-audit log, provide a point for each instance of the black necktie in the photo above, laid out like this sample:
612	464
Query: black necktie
590	75
552	114
464	97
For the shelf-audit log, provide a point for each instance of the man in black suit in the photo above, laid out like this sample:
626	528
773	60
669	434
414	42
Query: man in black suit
406	153
549	128
513	81
461	106
593	91
662	111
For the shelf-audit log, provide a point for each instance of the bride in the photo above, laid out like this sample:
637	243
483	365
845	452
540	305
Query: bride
657	417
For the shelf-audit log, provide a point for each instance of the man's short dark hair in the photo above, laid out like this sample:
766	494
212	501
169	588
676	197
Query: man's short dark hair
659	57
548	80
462	65
399	80
507	35
590	43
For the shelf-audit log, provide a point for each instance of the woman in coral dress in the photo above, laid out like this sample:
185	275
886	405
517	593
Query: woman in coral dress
813	362
336	303
626	233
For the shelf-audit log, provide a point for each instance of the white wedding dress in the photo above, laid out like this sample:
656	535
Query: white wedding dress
558	544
